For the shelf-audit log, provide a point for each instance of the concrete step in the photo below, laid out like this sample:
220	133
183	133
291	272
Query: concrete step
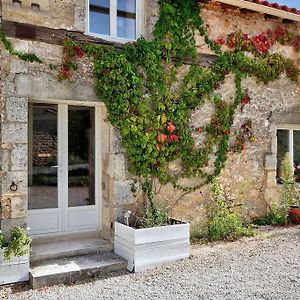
67	270
42	251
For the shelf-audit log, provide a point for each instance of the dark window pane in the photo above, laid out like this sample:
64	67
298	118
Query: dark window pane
282	147
81	141
42	160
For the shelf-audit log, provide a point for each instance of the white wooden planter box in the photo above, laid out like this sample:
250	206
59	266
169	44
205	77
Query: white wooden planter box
148	247
14	270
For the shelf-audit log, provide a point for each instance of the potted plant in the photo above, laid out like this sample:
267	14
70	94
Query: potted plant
14	256
294	215
151	240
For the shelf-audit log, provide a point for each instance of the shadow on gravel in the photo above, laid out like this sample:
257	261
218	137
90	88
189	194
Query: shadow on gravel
23	287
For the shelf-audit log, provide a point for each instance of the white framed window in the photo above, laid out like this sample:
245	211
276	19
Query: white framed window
115	20
288	140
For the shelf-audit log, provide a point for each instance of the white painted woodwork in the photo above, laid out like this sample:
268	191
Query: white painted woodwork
65	218
140	24
149	247
14	270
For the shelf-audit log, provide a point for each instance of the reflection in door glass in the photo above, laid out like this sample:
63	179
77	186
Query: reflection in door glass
296	150
81	145
282	148
42	160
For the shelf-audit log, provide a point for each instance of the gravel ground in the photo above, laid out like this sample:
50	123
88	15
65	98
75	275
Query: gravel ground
264	267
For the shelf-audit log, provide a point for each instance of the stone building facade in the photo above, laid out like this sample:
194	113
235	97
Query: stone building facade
248	178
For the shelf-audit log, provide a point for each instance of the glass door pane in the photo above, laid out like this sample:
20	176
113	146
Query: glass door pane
81	156
282	147
42	160
296	145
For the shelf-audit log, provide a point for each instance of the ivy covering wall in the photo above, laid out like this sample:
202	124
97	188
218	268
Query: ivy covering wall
149	100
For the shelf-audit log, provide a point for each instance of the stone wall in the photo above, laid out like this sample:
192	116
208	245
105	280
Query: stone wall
248	178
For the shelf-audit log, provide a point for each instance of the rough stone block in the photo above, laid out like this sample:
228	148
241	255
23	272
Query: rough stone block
123	194
26	4
19	158
79	19
16	109
270	162
18	66
5	212
14	133
5	207
8	224
20	178
119	166
271	179
43	87
116	142
18	206
273	196
5	159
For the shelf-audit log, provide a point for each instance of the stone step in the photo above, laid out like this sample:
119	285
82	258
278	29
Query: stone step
67	270
36	240
67	248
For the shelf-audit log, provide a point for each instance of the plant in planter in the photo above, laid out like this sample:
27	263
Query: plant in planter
14	256
155	238
295	205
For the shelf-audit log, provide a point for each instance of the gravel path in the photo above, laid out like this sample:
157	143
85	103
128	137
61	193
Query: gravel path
264	267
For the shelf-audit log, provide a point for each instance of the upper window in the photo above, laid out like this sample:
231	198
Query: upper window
288	140
115	19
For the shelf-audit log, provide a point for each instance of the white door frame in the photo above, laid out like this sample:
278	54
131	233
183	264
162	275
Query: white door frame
69	219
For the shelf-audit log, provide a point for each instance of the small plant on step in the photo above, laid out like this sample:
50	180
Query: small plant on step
18	245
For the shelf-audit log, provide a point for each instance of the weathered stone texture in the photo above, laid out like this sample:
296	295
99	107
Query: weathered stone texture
151	16
222	20
51	13
16	109
248	178
123	194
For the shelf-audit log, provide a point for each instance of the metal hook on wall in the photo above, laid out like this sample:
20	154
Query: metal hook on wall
14	186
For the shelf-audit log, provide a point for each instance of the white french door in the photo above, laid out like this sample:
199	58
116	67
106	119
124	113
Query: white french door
63	168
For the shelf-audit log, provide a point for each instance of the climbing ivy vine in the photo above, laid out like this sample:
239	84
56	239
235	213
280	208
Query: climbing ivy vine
149	98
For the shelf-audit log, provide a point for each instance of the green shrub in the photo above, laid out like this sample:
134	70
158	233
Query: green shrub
1	240
222	222
198	232
227	225
277	215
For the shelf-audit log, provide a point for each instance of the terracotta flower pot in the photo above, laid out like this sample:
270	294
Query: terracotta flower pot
295	214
